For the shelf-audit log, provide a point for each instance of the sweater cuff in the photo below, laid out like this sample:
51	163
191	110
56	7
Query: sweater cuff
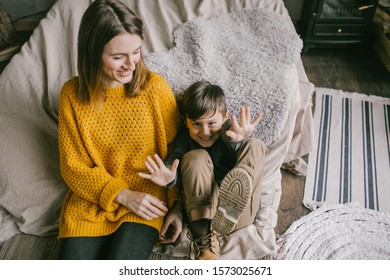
171	184
110	192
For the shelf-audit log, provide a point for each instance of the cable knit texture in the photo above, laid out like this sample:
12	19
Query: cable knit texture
103	149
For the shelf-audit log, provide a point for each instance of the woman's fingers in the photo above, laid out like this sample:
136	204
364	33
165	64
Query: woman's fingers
142	204
157	206
152	208
149	215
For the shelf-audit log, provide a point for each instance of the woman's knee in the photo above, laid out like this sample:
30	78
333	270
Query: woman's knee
82	248
132	241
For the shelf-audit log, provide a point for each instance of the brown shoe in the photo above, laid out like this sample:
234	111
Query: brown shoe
234	196
207	255
205	247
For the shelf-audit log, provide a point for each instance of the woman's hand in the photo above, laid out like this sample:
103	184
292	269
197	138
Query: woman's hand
173	224
238	132
159	173
144	205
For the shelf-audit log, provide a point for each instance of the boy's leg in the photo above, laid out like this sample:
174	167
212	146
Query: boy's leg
200	189
200	200
252	159
240	189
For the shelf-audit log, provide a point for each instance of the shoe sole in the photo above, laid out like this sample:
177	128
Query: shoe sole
234	195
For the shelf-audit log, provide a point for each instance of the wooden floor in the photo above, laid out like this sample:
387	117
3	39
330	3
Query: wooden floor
354	69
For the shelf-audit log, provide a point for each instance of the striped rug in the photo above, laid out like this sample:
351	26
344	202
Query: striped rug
351	161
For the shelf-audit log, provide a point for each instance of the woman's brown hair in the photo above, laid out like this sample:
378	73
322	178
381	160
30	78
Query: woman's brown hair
102	21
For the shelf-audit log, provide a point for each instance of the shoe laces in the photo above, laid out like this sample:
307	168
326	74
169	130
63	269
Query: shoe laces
202	243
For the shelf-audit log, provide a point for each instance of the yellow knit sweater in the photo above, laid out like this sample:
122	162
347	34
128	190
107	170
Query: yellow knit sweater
103	149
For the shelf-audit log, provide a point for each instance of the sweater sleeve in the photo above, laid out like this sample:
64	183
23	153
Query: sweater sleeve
171	118
169	111
87	180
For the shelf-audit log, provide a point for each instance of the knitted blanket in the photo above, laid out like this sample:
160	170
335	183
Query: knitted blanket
247	53
337	232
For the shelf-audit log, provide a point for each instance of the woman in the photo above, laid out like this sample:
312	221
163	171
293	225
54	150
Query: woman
111	117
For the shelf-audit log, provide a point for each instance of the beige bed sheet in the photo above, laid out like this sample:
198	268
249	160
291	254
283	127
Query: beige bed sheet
31	186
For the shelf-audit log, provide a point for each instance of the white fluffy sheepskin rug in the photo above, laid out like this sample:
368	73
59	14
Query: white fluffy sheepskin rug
250	54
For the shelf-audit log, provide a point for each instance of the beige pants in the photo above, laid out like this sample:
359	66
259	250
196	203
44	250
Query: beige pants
201	190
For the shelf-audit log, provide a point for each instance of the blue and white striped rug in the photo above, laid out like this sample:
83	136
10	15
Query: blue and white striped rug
351	160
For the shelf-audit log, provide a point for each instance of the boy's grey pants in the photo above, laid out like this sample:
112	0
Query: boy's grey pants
201	190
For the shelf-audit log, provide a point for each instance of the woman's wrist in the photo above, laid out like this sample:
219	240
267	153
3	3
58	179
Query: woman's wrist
121	197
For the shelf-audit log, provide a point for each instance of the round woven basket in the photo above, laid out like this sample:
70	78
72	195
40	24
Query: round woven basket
337	232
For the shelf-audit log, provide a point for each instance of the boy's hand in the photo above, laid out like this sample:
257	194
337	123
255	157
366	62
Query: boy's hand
159	173
173	224
238	132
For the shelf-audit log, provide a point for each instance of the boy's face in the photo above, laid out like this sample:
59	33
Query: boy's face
207	129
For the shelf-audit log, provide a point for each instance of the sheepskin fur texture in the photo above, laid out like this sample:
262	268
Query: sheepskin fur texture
248	53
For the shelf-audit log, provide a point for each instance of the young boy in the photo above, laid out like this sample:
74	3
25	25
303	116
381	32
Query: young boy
220	167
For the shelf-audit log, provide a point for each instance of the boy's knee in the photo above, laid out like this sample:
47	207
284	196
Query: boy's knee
197	164
255	144
195	157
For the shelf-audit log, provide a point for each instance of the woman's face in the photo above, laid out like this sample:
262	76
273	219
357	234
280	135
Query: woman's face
120	55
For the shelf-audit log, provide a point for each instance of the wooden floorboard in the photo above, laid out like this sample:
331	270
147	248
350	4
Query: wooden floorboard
356	69
353	69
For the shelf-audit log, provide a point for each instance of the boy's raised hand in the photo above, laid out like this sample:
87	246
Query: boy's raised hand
159	173
240	131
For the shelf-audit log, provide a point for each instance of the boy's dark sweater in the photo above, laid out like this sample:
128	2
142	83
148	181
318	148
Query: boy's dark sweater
222	152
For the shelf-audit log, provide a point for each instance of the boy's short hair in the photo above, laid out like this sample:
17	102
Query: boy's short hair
200	98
